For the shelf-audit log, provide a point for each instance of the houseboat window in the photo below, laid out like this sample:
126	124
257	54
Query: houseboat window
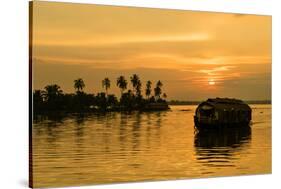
216	115
206	112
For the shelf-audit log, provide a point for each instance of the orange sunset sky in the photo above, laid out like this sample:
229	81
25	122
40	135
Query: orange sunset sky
195	54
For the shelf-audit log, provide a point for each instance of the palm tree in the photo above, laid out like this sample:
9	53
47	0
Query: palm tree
51	92
148	89
106	85
135	80
38	96
157	89
159	84
138	88
122	83
38	100
164	95
79	84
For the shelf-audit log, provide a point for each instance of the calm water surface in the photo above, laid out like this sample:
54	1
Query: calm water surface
118	147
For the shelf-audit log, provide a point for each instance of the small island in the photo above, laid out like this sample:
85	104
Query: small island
53	100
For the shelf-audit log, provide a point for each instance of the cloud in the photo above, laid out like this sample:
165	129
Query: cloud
96	41
215	70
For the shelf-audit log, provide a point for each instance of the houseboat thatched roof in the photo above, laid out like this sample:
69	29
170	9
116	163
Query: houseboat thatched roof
225	104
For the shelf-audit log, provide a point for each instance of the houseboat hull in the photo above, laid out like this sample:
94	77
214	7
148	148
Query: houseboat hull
216	124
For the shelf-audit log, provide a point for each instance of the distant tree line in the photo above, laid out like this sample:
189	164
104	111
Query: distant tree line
179	102
53	99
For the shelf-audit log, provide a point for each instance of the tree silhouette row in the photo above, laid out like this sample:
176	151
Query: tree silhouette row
53	99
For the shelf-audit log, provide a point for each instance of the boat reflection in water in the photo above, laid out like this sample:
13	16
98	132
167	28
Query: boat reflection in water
218	148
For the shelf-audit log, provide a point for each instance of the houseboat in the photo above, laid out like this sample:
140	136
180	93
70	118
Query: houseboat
218	112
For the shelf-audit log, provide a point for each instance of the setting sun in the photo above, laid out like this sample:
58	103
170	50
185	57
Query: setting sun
211	82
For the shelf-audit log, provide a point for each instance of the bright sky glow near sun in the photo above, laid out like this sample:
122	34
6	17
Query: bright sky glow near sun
195	54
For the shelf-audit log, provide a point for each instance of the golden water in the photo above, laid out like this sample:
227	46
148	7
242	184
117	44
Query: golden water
119	147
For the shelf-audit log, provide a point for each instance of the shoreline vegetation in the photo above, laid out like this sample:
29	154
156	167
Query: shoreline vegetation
53	100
